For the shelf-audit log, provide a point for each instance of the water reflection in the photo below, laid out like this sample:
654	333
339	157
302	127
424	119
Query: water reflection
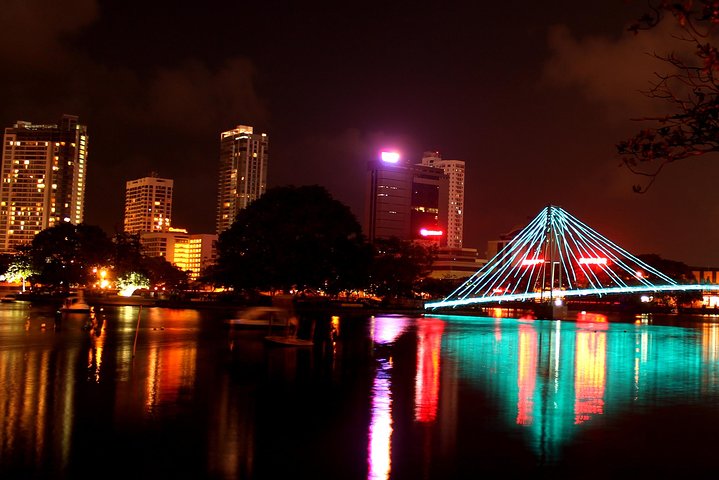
429	349
384	331
391	397
557	377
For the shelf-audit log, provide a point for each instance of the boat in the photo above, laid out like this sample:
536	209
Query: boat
255	317
290	339
8	299
75	304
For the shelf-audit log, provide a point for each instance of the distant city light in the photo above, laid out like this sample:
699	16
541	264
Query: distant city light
389	157
425	232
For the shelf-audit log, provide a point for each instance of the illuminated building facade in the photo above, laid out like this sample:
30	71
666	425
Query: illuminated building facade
44	169
454	169
148	205
405	201
188	252
242	172
454	263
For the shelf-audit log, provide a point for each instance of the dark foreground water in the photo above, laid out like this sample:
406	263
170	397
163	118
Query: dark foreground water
386	397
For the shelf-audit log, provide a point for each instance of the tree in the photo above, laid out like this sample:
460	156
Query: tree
162	273
398	266
19	269
64	255
127	254
293	237
691	88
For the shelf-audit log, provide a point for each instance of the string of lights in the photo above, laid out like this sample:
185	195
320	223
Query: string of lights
557	255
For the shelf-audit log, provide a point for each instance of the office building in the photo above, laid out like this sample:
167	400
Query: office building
454	169
242	172
192	253
456	263
148	205
44	171
405	201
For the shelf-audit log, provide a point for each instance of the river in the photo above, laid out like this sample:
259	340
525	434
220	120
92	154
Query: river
165	393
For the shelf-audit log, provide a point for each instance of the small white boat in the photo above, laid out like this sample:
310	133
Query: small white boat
75	304
260	317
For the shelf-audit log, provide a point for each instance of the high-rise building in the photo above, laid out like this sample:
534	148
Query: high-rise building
405	201
44	171
243	172
454	169
148	205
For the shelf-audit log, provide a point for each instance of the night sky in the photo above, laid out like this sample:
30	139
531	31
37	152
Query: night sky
532	95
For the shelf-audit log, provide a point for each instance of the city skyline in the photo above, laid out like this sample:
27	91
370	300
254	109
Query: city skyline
532	97
43	178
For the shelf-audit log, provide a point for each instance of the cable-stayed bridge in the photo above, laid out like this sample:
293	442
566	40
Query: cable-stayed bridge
557	256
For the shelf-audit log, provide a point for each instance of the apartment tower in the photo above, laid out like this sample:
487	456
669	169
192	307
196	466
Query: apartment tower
148	205
44	171
242	172
454	169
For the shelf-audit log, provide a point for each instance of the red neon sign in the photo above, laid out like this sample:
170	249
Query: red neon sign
425	232
528	262
593	261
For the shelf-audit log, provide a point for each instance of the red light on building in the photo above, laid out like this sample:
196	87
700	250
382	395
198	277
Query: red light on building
593	261
528	262
426	232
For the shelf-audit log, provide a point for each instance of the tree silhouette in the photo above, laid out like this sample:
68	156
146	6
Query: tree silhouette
691	88
293	237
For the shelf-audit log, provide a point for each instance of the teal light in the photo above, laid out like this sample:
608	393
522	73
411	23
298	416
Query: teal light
554	380
556	255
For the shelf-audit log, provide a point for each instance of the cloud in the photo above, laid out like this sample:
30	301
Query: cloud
337	161
34	33
140	117
193	96
613	71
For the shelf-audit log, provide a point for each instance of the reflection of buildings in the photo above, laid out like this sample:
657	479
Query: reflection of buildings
242	174
426	389
43	179
385	330
36	407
